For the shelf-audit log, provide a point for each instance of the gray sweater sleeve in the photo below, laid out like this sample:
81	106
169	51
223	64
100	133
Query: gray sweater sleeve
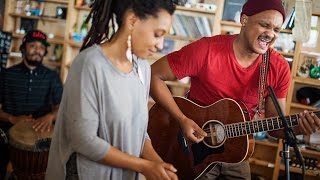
83	115
147	78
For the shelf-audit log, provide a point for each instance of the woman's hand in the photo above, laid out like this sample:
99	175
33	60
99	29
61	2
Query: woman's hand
159	171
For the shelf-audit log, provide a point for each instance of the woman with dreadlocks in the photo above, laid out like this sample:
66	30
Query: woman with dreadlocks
101	130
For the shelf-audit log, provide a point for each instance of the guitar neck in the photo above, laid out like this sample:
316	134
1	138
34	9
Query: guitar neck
269	124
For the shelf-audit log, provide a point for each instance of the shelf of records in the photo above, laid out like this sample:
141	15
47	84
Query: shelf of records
191	26
27	24
43	18
189	22
47	10
312	165
196	7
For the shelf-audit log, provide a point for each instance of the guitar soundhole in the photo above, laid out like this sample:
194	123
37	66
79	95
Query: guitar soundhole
215	133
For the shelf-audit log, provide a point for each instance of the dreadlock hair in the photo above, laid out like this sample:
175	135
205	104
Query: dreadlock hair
104	11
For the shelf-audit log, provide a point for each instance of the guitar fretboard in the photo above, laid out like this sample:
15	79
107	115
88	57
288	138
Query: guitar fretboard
269	124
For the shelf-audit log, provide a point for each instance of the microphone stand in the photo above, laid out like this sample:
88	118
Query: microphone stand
290	138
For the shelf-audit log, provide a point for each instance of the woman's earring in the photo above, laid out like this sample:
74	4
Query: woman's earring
129	52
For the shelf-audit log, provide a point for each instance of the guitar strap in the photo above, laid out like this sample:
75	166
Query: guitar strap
260	109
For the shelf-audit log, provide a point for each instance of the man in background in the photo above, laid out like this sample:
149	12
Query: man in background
29	91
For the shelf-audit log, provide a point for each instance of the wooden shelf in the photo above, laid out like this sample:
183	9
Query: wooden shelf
183	38
266	143
310	152
310	53
83	8
57	1
55	40
260	158
75	44
15	57
50	19
286	53
261	162
230	23
286	31
308	81
299	170
302	106
197	10
316	14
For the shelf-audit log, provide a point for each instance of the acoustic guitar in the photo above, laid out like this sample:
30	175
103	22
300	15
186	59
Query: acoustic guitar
229	135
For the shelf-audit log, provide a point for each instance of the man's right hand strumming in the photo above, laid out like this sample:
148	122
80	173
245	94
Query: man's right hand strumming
191	130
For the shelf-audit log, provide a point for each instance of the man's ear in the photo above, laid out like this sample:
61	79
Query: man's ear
243	19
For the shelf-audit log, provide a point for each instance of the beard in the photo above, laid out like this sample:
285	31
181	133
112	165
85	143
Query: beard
33	62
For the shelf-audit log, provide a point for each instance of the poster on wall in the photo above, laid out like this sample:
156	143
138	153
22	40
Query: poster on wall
232	10
1	14
5	43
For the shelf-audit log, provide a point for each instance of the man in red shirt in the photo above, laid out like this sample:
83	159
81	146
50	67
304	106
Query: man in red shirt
228	66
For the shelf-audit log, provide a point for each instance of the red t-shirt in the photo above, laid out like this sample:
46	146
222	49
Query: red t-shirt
215	73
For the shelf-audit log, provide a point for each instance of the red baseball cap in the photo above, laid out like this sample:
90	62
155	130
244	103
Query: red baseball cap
36	35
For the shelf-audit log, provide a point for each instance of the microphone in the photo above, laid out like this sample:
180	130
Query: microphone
290	138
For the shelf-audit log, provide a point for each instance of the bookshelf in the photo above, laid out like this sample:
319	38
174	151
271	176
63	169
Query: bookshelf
206	20
62	28
189	25
72	47
270	165
301	55
187	15
48	22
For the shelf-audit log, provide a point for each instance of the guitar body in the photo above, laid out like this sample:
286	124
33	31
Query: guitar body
193	160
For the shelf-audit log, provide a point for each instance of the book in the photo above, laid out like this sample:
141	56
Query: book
290	23
232	10
28	24
37	8
168	46
181	30
288	18
206	25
